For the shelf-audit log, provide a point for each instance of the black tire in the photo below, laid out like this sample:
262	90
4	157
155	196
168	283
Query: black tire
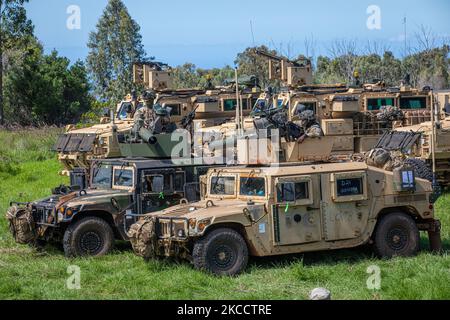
421	169
89	236
222	252
396	235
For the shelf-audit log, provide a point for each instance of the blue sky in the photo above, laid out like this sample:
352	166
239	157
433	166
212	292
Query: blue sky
211	33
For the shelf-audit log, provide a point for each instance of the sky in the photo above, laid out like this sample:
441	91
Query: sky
209	33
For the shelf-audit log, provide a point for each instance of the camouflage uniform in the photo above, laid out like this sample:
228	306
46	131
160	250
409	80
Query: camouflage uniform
309	124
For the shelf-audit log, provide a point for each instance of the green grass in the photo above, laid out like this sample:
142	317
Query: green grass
28	274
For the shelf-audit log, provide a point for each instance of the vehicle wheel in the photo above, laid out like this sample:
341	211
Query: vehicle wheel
396	235
90	236
421	169
221	252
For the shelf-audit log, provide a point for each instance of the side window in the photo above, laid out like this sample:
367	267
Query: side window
123	178
413	103
179	182
349	186
222	186
153	184
175	109
123	111
375	104
229	104
298	192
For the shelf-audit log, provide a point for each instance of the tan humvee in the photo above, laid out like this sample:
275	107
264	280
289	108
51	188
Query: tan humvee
351	116
267	211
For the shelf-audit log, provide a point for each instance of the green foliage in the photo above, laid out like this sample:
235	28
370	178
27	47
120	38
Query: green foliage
428	67
46	89
25	145
97	110
15	29
189	76
114	47
249	63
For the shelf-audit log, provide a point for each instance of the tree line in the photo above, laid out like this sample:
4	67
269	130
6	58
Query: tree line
38	88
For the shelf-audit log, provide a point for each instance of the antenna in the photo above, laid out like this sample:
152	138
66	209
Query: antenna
404	24
254	46
251	30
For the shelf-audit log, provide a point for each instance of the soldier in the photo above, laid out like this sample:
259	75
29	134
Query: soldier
146	112
310	126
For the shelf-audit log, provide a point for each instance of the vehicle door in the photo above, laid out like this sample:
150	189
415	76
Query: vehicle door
345	205
296	212
160	189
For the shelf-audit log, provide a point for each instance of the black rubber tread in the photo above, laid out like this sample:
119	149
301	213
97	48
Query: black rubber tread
396	223
71	240
204	260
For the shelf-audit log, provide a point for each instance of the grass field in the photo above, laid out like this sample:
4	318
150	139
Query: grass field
28	170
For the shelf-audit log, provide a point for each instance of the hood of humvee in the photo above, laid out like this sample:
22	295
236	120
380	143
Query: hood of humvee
96	196
103	128
200	210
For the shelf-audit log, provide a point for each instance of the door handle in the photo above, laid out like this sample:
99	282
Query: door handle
360	204
311	208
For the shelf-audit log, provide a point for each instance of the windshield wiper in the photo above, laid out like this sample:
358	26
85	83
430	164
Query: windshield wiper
121	171
217	180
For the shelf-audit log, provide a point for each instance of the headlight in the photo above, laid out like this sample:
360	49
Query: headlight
202	224
181	233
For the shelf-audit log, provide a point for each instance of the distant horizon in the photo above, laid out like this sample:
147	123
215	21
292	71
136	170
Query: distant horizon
210	35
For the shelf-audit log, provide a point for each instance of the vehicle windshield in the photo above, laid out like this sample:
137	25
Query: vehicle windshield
253	187
222	185
102	176
123	114
123	178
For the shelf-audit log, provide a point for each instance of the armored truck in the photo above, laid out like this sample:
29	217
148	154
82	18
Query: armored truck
88	221
291	208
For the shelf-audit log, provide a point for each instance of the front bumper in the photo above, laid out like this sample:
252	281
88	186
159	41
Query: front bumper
156	236
29	222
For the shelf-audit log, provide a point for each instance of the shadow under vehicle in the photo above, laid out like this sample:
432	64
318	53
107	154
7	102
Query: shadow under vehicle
88	221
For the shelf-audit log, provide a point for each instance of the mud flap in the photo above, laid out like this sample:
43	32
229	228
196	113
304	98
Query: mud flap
434	236
143	238
21	225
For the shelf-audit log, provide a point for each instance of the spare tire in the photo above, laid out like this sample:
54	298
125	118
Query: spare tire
421	169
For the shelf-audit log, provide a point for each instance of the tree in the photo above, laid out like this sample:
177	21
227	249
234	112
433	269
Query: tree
14	26
114	47
46	89
250	63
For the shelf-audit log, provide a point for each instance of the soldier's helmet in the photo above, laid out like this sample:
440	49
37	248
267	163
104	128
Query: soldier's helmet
149	95
307	118
307	115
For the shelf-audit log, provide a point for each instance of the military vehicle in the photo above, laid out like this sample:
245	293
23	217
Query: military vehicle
355	116
88	221
268	211
428	149
268	208
208	106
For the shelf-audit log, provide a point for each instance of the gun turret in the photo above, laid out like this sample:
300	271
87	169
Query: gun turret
292	73
153	75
